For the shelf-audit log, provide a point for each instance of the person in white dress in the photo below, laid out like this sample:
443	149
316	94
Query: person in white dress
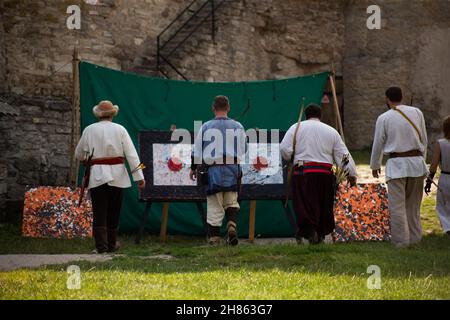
441	157
103	148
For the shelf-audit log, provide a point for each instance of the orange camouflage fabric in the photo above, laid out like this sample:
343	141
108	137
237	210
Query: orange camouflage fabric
53	212
361	213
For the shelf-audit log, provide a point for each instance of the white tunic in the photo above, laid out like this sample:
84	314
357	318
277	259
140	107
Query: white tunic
109	139
316	142
394	134
443	194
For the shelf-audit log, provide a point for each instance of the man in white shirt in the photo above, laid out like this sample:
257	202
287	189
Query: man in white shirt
400	133
317	147
103	147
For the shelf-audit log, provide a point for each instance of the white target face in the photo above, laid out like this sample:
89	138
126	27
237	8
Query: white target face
264	164
172	162
171	165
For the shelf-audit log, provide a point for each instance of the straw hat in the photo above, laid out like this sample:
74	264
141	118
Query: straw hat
104	109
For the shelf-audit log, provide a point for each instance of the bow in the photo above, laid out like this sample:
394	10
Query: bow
86	176
291	163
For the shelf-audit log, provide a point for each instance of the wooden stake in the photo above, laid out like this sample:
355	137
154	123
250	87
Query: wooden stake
336	106
74	164
164	219
251	223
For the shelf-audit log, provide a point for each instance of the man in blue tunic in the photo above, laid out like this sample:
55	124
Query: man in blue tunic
219	148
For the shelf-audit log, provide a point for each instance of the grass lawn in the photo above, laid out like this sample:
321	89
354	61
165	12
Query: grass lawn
282	271
277	271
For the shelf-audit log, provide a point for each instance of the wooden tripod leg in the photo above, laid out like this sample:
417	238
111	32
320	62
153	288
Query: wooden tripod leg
251	223
165	217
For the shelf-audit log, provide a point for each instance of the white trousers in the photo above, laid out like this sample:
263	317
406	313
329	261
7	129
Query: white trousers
405	196
216	205
443	202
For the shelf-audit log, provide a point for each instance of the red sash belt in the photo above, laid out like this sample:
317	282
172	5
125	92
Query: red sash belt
87	170
315	167
110	161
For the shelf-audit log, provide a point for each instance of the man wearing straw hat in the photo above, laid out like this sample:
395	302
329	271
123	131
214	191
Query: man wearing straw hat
103	148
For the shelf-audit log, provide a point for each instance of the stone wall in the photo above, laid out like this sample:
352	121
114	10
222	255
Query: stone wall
411	50
267	39
35	147
39	43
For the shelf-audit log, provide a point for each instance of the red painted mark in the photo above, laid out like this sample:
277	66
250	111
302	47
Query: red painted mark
174	164
260	163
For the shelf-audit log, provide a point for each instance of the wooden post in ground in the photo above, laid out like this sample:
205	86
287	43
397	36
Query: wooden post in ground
336	105
74	164
164	219
251	223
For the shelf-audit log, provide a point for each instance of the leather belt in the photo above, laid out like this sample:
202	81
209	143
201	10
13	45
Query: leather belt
411	153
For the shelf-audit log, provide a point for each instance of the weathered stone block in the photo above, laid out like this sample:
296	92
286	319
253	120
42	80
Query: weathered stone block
59	105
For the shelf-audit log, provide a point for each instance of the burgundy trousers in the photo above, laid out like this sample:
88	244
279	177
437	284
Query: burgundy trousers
313	198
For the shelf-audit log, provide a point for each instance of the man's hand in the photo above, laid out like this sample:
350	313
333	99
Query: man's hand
428	186
376	173
192	175
141	184
351	181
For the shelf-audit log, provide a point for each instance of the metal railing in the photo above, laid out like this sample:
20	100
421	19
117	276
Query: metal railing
185	24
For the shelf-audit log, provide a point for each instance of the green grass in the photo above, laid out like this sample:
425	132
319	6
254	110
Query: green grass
281	271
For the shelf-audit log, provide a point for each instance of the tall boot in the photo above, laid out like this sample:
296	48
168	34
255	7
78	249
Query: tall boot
213	235
101	239
232	236
113	245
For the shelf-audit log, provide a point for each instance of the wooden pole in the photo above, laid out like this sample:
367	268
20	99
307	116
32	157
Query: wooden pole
251	223
336	106
164	219
74	164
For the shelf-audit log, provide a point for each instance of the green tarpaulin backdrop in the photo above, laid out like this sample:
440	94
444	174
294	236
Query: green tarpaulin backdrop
154	103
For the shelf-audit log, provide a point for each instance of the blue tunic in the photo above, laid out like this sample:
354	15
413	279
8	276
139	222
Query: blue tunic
219	139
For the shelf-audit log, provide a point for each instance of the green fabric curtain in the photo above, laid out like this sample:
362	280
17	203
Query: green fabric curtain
154	103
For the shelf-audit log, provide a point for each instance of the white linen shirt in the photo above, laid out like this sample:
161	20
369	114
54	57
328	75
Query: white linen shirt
316	142
108	139
394	134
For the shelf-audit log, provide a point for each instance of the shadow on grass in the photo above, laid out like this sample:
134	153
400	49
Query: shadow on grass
191	255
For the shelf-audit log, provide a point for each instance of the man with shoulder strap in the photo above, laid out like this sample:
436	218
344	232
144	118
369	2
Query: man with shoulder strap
400	133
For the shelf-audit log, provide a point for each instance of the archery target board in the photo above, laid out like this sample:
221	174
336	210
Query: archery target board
171	164
264	164
168	163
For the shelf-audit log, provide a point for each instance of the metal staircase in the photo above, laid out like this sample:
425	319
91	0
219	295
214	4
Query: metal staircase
187	23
